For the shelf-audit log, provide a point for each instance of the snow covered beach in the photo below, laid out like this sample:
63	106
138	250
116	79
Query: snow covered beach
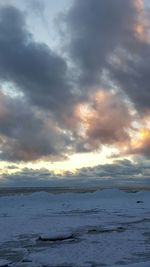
108	227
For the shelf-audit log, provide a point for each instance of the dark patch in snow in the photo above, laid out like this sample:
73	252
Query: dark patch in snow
56	239
98	230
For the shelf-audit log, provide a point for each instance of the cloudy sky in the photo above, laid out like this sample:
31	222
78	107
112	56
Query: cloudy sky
74	88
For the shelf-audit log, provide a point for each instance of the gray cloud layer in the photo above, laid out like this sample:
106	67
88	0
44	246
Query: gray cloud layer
100	38
103	34
27	134
122	173
34	69
96	28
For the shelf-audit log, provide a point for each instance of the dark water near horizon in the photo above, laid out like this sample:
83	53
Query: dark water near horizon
77	189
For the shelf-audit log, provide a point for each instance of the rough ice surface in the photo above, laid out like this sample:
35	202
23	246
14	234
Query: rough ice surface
4	263
104	228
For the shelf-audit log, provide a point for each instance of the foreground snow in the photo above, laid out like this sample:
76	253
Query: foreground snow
141	264
105	228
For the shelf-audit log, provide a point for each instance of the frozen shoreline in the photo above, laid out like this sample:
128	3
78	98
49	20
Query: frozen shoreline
103	228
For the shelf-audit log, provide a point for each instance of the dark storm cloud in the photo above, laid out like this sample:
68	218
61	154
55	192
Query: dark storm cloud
119	170
95	28
28	133
134	77
111	36
25	133
31	66
102	41
28	177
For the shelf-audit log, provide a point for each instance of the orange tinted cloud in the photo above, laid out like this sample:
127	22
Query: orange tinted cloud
103	119
141	143
140	27
138	4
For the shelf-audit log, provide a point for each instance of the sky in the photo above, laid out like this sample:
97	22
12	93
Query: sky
74	89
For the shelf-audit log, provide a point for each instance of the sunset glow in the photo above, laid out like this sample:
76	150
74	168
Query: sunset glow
74	90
